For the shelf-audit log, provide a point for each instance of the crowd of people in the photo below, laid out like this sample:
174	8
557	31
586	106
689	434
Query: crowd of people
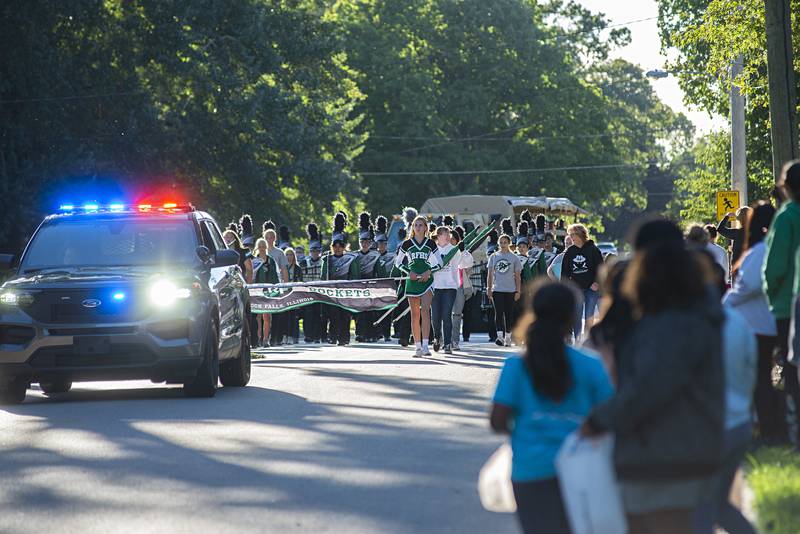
433	268
691	356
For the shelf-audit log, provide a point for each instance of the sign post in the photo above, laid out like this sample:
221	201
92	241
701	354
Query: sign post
727	202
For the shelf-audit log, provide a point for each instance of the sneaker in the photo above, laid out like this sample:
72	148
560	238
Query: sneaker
426	352
359	339
499	342
403	343
508	340
418	353
387	339
448	349
455	346
436	345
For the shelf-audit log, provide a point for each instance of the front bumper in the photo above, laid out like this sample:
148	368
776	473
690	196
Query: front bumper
165	347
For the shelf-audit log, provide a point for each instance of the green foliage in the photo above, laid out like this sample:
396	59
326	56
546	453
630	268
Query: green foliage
276	107
774	476
244	106
708	36
466	86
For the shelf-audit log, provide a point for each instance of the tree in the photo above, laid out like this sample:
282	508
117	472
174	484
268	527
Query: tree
467	86
244	106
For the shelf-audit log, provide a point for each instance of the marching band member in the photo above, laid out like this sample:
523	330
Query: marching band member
506	228
291	319
402	325
383	268
446	283
367	259
339	265
312	264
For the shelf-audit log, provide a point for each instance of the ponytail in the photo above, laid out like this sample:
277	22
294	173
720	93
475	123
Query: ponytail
553	309
547	359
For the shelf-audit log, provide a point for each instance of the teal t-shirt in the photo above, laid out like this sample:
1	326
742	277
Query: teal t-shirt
540	424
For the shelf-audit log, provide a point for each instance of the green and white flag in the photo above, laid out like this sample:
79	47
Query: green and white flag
352	295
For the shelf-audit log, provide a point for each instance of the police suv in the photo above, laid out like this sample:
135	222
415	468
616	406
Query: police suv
123	292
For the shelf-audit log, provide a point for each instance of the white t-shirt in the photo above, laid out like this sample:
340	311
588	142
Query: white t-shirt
720	256
448	276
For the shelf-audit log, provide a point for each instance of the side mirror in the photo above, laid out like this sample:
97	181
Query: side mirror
203	253
6	262
226	258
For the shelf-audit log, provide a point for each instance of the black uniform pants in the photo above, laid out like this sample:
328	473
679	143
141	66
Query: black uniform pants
340	324
312	322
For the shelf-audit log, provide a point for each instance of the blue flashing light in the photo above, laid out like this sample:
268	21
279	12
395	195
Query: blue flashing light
116	206
66	207
118	296
91	207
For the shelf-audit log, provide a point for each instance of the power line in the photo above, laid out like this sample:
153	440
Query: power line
71	97
498	171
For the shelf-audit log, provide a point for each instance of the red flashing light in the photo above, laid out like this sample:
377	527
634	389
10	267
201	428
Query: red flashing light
170	205
144	207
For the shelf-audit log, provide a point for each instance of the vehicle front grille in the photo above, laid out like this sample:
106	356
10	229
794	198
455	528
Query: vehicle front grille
102	330
66	306
65	358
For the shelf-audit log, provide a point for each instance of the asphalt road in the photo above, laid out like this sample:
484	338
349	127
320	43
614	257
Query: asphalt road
325	439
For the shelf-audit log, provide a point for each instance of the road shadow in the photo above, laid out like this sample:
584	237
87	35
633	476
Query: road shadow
370	465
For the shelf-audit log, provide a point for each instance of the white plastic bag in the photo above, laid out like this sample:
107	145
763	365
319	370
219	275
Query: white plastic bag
589	487
494	482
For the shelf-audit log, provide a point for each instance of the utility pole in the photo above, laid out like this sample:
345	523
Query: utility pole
738	145
782	90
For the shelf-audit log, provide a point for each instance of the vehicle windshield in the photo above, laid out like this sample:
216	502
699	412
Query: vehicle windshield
75	243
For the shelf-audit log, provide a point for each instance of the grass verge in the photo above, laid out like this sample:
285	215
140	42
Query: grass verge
774	476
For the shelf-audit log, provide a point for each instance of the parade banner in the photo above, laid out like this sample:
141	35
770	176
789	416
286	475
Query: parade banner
351	295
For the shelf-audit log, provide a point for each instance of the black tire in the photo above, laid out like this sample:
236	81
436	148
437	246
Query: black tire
236	372
53	387
205	382
14	392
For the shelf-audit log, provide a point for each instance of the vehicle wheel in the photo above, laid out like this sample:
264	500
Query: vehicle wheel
61	385
205	382
236	372
14	392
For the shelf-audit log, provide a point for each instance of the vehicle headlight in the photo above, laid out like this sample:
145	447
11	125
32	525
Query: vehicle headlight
164	293
12	298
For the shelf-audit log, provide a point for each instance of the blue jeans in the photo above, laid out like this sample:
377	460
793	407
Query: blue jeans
715	509
442	314
584	311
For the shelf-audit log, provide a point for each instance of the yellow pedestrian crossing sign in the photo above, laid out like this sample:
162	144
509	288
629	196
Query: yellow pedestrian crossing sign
727	202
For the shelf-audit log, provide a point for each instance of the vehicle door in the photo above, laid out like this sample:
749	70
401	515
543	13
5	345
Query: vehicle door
225	282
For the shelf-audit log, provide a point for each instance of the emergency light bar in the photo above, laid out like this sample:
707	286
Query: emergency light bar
118	207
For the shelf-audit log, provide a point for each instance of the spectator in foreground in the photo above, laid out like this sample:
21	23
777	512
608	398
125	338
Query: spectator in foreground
735	235
538	396
748	298
668	419
740	364
781	284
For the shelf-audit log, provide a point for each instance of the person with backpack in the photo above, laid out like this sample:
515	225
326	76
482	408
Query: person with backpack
541	397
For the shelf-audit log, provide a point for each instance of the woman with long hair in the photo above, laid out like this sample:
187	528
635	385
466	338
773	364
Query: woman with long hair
418	259
292	317
748	298
231	239
541	398
266	272
668	412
